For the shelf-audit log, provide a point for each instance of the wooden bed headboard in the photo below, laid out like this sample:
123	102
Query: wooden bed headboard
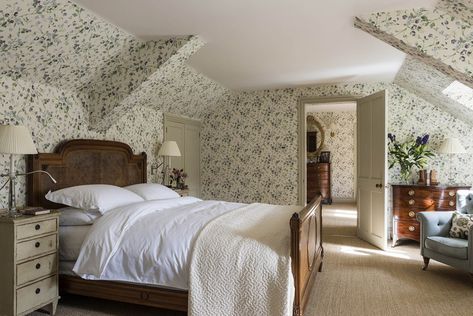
83	161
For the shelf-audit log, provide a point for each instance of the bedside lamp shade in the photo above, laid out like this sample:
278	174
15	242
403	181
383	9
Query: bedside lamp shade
452	146
169	148
16	139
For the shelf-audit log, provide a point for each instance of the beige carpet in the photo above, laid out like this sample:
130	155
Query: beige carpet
357	280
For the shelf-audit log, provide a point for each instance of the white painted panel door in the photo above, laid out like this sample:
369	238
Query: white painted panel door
372	168
192	159
186	133
176	131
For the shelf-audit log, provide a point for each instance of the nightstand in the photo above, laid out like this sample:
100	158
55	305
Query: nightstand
28	263
182	192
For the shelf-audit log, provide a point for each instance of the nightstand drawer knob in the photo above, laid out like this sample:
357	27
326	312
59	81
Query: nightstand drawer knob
37	291
412	228
37	244
412	214
411	202
37	227
411	192
451	203
38	266
451	193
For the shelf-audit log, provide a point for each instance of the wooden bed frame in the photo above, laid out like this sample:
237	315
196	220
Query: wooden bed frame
82	161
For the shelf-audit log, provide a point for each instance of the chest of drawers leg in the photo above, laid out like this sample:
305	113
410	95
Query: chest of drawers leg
28	264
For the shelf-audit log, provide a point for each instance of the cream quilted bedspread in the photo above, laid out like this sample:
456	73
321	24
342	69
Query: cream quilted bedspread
241	264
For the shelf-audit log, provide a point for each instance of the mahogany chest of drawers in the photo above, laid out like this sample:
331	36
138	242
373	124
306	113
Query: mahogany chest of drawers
408	200
318	181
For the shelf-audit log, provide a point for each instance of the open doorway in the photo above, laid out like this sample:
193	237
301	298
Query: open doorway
358	171
331	151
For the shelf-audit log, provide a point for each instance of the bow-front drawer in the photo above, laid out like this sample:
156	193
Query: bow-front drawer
36	294
36	229
36	269
35	247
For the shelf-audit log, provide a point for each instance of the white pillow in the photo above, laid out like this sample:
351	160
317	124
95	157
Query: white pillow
71	216
102	197
152	191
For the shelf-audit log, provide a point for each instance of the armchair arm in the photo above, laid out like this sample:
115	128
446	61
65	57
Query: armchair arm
470	248
433	224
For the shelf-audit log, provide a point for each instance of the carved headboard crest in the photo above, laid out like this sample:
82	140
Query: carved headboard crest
84	161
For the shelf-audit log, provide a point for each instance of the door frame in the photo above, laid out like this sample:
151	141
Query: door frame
302	139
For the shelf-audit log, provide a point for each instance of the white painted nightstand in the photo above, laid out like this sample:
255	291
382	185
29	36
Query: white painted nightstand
28	263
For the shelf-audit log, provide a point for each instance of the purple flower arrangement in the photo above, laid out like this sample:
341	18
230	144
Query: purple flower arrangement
409	154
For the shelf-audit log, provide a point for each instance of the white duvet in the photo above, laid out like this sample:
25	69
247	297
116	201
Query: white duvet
147	242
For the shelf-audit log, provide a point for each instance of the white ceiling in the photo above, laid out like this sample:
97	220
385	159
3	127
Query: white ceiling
268	44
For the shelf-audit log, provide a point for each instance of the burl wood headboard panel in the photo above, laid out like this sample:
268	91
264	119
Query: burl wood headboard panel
83	161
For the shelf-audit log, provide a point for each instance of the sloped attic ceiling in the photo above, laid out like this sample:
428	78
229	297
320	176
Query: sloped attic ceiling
439	44
58	43
441	38
429	84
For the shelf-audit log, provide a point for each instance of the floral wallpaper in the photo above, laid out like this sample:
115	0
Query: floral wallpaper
53	115
429	83
174	87
65	70
342	147
249	142
442	38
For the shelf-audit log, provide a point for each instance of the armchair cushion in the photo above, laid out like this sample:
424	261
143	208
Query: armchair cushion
451	247
461	224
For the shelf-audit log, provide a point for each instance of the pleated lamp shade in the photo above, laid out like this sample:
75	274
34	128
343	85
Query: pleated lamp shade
16	139
169	148
452	146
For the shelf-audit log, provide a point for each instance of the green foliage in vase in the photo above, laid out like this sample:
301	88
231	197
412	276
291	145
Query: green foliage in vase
409	154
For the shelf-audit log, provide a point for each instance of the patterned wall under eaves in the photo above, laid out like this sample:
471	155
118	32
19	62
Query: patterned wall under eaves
53	115
441	38
250	149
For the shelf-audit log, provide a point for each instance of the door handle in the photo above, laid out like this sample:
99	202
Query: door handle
379	185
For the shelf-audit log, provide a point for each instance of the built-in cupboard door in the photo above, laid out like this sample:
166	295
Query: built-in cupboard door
372	166
186	133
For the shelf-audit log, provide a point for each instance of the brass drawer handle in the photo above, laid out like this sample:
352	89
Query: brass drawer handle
37	291
451	193
411	202
38	266
411	192
412	214
37	244
412	228
37	227
451	203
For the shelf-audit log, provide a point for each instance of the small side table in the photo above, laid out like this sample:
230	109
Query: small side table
182	192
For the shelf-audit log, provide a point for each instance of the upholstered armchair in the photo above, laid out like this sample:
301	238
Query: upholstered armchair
436	243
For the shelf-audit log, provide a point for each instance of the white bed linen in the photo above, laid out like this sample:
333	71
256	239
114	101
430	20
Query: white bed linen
70	241
147	242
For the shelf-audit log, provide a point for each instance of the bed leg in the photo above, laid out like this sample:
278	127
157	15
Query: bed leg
296	311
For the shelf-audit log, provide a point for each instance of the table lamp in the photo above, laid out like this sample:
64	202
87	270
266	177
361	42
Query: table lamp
169	148
16	140
451	146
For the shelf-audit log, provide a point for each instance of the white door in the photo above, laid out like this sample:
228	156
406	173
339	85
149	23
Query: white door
192	159
186	133
372	167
